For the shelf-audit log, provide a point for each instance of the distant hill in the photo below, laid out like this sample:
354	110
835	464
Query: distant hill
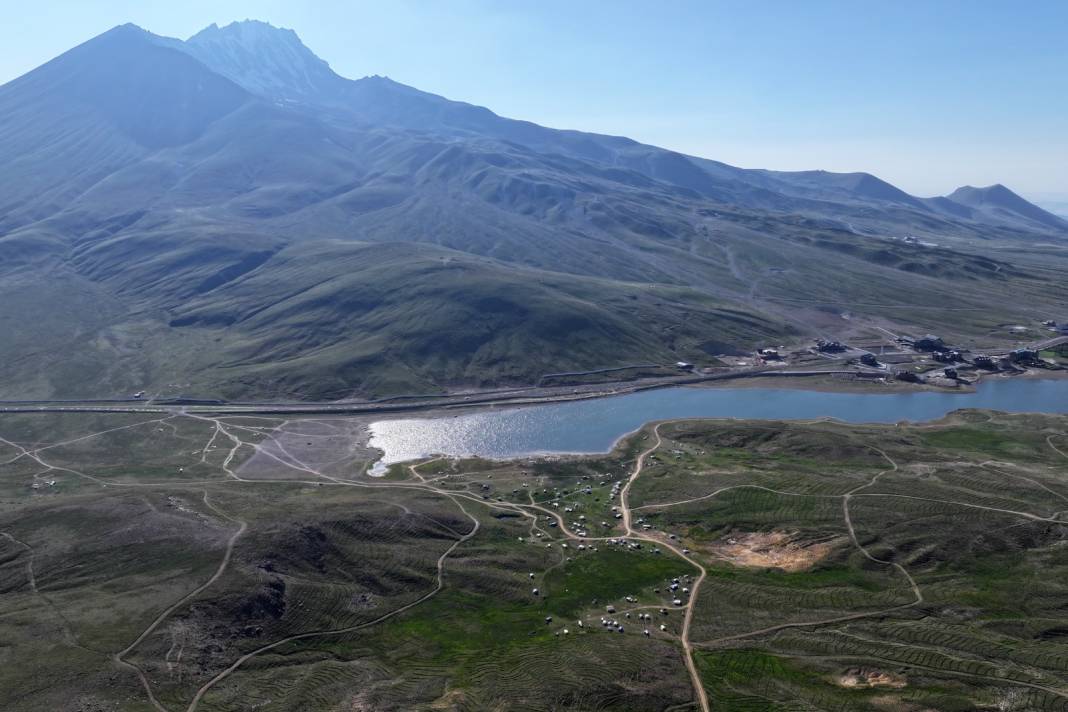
226	215
996	202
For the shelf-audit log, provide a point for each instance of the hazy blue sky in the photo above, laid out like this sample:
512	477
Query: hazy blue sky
929	95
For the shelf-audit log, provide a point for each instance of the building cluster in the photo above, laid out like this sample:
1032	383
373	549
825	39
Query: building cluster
769	354
929	343
869	359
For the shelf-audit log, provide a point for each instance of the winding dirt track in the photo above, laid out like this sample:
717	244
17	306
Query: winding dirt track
31	581
684	639
287	459
118	657
853	533
853	536
1063	454
917	592
340	631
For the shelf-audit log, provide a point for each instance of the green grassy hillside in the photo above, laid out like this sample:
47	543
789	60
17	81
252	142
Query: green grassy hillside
247	563
168	230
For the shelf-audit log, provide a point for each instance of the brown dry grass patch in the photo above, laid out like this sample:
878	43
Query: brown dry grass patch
774	550
865	678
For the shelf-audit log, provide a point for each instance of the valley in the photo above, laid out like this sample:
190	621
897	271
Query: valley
331	394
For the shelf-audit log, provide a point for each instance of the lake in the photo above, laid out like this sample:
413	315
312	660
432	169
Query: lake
593	426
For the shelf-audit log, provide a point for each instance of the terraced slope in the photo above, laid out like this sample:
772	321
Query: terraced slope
185	562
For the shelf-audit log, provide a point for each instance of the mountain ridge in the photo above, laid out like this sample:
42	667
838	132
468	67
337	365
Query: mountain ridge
334	90
372	239
265	60
997	197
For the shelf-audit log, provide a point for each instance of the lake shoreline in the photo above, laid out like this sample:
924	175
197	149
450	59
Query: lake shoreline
591	426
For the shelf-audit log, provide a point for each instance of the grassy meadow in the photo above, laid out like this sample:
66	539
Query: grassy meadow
173	562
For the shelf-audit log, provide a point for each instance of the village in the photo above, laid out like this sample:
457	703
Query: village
929	359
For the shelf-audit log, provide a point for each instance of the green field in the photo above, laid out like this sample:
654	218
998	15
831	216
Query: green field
173	562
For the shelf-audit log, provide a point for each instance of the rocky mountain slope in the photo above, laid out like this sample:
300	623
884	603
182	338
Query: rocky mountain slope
235	219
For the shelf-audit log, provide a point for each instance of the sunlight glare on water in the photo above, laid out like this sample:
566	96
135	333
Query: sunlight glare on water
593	426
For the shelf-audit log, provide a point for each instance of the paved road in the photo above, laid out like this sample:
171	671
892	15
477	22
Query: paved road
1050	343
529	396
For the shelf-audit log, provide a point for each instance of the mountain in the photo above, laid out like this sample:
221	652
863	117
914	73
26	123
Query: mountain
273	62
266	61
105	104
228	216
996	202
